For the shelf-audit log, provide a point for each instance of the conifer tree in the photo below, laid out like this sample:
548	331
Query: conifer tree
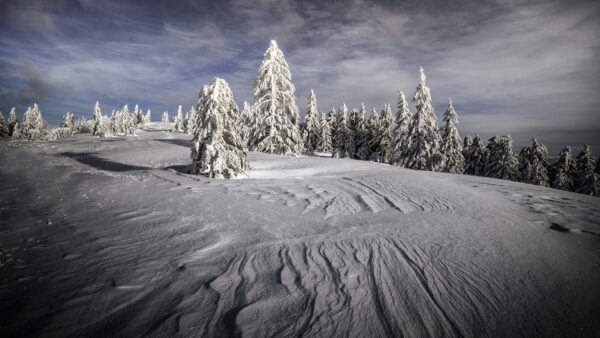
33	127
324	145
165	117
424	140
451	142
218	151
477	158
373	126
386	127
275	103
340	134
564	171
68	121
467	143
138	115
244	123
361	135
97	113
178	126
400	143
147	117
533	164
310	127
3	129
501	161
12	121
587	180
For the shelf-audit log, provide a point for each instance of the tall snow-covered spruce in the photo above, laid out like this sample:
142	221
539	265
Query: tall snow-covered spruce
400	143
451	142
533	164
501	161
275	103
564	171
178	121
218	150
324	145
339	133
310	127
12	121
424	141
165	117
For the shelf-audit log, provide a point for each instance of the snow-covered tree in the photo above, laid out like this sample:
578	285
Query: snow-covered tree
476	159
68	121
533	164
424	141
451	142
123	122
275	103
324	144
33	126
147	117
386	128
467	143
310	127
218	151
17	132
341	131
165	117
97	113
564	171
244	123
12	121
501	161
361	134
587	180
374	134
400	133
3	129
178	126
138	115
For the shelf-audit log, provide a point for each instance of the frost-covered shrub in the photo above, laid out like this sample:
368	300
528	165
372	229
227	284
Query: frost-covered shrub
83	126
218	150
165	117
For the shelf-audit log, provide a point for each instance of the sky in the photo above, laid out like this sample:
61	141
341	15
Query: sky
524	68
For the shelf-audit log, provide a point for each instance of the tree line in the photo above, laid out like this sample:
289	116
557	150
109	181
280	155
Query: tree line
272	124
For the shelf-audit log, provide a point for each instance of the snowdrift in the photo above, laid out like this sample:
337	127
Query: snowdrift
112	237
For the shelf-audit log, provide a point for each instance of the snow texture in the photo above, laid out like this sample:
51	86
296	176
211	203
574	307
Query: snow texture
112	237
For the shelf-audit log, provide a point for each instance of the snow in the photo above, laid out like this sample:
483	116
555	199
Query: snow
112	237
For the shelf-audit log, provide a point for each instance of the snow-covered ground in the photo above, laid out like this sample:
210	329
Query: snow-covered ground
111	237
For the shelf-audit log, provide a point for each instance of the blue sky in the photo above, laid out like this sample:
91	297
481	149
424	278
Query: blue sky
524	68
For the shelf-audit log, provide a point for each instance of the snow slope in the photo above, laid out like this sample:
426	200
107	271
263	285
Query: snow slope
105	237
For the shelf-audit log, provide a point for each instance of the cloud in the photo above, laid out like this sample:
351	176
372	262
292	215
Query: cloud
519	67
35	88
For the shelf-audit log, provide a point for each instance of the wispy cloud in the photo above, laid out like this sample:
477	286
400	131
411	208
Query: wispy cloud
520	67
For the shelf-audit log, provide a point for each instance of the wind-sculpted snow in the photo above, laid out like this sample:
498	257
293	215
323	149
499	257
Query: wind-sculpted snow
366	286
112	237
